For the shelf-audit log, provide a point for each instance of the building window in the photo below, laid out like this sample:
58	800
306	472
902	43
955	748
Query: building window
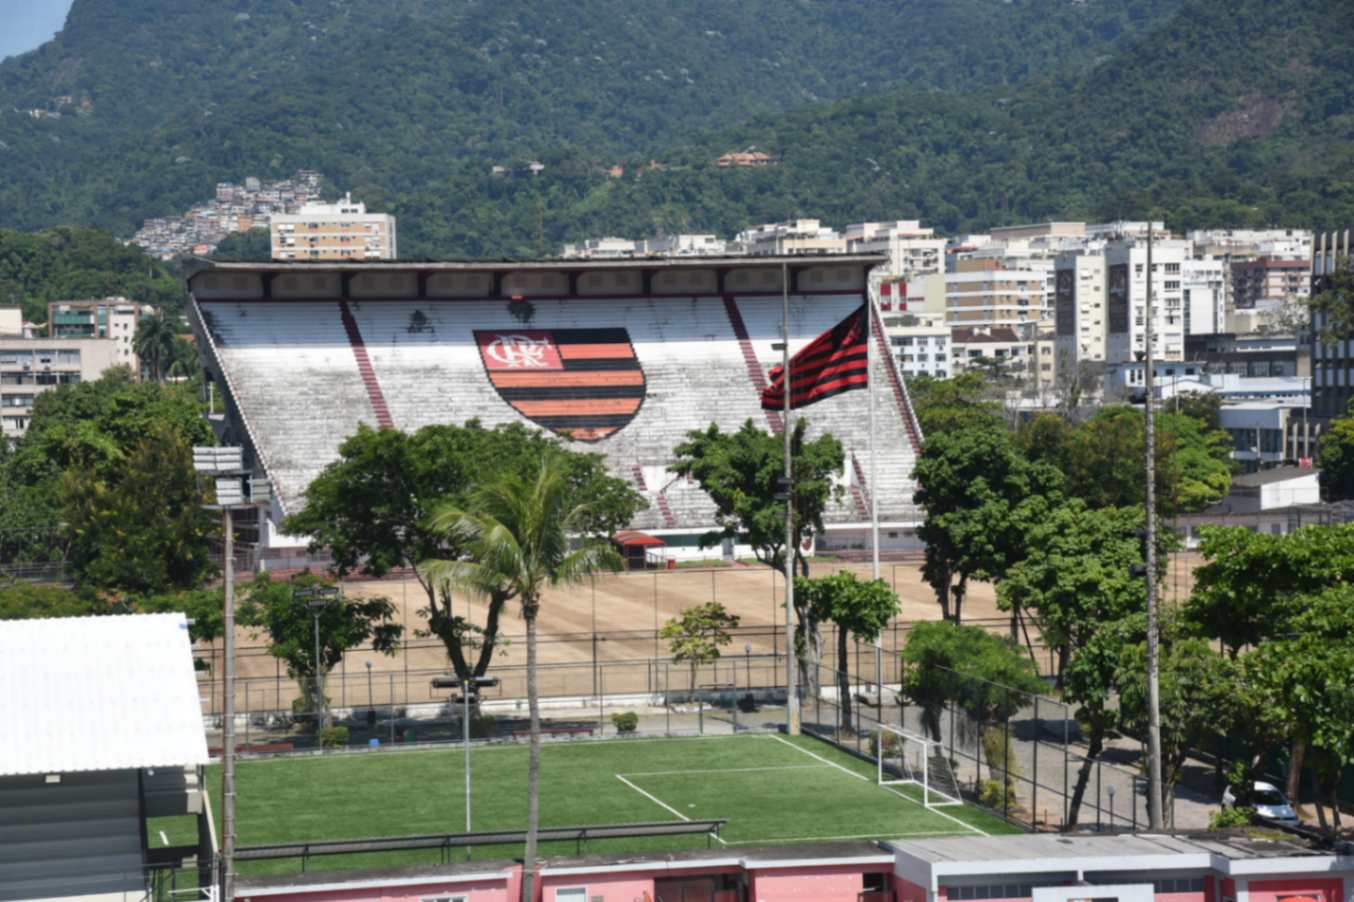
1179	885
990	891
572	894
442	899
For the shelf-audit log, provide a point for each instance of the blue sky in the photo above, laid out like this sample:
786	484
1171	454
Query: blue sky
24	24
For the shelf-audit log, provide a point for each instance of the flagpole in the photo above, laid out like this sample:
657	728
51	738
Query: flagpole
874	474
791	651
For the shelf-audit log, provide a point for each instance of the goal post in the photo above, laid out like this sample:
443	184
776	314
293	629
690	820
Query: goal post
906	759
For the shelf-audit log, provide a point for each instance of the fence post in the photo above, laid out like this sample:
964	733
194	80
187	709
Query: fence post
247	718
1065	766
601	693
733	666
1034	782
1097	795
1006	756
667	704
392	707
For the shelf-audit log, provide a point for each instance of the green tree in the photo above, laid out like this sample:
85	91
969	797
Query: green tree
1044	438
1251	583
1335	301
698	634
146	531
204	608
155	345
26	601
1199	698
1335	454
276	608
1104	461
945	404
372	509
984	675
741	473
524	532
979	493
859	608
1077	580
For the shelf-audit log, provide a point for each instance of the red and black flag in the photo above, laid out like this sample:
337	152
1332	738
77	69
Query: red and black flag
583	384
835	362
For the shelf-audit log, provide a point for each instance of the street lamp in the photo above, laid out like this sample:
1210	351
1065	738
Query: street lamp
371	708
234	491
317	599
475	684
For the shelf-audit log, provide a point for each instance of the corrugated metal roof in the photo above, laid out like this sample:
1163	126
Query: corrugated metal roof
98	693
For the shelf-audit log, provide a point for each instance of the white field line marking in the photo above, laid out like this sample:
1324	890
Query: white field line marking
655	799
722	770
796	839
887	788
164	840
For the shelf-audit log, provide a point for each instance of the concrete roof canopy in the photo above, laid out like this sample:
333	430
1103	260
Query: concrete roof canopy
99	693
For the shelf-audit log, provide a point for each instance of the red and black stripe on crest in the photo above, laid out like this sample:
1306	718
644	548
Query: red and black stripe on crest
584	384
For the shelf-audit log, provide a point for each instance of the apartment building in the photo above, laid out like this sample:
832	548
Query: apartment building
1001	348
339	231
985	294
601	248
1005	234
11	320
1204	287
1269	279
31	366
922	349
913	251
113	318
795	236
1332	364
1079	307
1126	300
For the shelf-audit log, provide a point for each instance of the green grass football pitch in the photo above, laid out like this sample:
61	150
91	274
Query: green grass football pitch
770	788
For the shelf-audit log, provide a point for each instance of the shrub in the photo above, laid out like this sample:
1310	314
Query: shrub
1230	817
891	742
625	721
332	737
998	753
996	795
482	726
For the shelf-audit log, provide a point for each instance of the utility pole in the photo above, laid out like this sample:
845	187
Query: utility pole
787	483
1154	794
226	465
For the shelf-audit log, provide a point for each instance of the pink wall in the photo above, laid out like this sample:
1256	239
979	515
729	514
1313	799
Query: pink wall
907	891
612	888
1184	897
477	891
1326	889
828	884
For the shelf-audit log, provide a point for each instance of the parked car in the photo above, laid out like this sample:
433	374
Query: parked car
1267	800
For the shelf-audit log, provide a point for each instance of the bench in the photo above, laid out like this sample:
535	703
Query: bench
587	730
257	748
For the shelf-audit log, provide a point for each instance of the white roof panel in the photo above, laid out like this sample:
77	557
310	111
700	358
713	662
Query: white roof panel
99	693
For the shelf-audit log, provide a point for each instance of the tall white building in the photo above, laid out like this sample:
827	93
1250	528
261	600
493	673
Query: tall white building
1204	284
1126	296
1079	307
338	231
913	251
794	236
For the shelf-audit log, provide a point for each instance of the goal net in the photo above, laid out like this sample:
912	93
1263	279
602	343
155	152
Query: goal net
904	758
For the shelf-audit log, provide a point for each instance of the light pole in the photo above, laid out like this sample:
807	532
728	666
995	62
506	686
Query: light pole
226	466
471	685
371	708
318	599
747	658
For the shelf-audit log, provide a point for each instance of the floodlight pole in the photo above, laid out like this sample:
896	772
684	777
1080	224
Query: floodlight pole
1154	789
791	650
228	713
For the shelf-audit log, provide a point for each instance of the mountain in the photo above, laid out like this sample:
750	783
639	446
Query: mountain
1232	112
137	109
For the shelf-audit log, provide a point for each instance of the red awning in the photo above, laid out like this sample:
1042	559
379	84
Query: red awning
628	538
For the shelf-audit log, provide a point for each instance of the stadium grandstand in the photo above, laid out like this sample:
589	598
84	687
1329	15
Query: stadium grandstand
621	357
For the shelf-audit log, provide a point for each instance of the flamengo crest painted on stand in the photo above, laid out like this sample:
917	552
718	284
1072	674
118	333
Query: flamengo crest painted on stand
584	384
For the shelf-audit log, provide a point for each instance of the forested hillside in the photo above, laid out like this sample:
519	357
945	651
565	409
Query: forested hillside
159	99
967	113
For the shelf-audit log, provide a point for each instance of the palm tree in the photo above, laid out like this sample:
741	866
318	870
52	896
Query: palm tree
154	344
521	535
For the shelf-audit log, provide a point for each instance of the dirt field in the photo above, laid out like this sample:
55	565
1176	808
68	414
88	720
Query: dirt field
624	610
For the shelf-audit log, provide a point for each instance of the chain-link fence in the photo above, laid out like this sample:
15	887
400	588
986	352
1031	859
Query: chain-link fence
1018	754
